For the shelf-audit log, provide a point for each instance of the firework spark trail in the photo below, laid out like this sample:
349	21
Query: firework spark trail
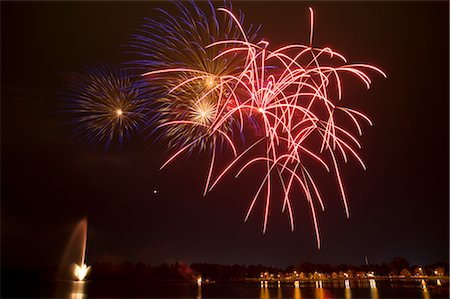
228	84
297	93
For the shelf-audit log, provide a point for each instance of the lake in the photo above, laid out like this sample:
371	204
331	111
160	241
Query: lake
138	289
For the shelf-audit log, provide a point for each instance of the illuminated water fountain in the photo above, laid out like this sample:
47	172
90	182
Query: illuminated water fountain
73	263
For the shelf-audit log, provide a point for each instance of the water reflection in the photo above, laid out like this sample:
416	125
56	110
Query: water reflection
423	284
374	293
78	291
297	293
279	292
322	293
264	293
348	293
425	294
346	289
319	284
363	283
347	284
199	291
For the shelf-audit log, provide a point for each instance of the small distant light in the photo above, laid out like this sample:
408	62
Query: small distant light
155	191
119	112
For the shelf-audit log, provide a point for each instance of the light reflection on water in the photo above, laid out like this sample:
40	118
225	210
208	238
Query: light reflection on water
373	284
347	284
78	290
199	291
279	292
264	294
374	293
320	293
348	293
373	289
347	289
323	290
426	295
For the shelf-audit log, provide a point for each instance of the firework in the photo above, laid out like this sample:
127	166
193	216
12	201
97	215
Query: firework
182	76
205	79
285	94
106	106
288	92
290	88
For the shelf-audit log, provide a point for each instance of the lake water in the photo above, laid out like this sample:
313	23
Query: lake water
336	289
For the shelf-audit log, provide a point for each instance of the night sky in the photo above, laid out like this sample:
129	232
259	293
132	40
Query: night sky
50	181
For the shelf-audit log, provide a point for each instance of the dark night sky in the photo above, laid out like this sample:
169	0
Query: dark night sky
399	206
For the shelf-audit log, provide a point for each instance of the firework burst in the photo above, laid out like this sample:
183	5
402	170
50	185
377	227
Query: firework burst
106	106
182	76
290	88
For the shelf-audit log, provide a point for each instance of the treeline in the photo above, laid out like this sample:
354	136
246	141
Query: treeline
181	271
219	272
176	272
394	267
